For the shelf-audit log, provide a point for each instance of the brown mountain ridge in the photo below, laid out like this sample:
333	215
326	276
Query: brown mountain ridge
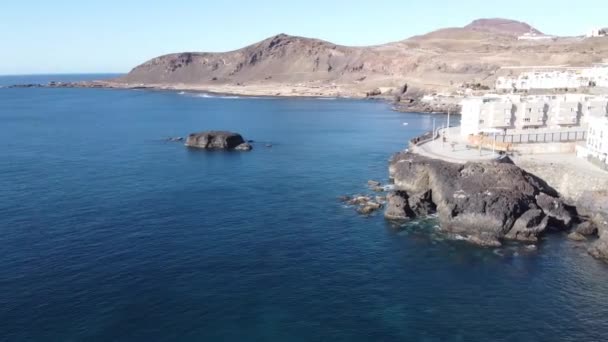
440	60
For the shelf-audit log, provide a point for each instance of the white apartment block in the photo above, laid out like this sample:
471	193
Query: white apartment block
517	113
597	32
534	36
597	140
482	114
570	78
564	113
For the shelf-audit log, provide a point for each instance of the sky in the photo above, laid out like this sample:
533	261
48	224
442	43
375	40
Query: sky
69	36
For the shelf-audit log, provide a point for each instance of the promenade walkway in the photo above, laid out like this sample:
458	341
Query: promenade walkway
454	149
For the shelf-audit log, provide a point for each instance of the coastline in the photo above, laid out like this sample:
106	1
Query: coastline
413	104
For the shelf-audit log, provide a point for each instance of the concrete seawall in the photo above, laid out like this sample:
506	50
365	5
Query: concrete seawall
577	181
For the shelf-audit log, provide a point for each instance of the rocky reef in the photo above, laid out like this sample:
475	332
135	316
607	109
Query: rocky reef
484	203
218	140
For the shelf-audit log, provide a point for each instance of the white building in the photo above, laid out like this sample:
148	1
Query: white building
598	75
564	113
564	78
549	113
481	114
534	36
596	32
531	113
597	140
594	107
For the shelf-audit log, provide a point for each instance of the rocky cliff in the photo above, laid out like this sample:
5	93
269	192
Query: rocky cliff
484	203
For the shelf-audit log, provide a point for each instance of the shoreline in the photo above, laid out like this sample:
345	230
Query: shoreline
257	91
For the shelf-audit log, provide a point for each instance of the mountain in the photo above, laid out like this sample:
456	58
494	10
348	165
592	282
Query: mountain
502	26
439	60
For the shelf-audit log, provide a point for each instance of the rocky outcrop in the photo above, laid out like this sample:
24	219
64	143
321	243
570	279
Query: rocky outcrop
599	248
365	205
484	203
218	140
556	209
529	226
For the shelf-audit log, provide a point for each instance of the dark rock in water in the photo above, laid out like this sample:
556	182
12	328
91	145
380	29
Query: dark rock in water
373	183
344	199
528	226
220	140
586	228
556	209
479	201
359	200
574	236
244	147
369	208
599	248
375	186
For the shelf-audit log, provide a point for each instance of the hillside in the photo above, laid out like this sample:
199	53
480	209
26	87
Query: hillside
502	26
289	65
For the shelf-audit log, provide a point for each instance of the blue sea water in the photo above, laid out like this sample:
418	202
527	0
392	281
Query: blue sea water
109	233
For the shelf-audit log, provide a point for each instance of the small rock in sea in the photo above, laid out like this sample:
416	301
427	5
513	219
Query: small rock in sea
244	147
217	140
365	210
250	141
344	198
374	205
268	145
359	200
381	199
373	183
574	236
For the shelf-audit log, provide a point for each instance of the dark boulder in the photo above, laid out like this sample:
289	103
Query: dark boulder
586	228
529	226
215	140
555	208
481	202
574	236
599	248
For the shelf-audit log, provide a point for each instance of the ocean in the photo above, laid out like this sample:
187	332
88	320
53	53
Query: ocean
110	233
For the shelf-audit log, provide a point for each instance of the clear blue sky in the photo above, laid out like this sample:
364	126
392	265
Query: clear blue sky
64	36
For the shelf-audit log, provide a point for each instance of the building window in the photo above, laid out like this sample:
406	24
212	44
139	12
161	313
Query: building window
526	119
481	122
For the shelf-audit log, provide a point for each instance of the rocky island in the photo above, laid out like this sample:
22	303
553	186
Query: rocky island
218	140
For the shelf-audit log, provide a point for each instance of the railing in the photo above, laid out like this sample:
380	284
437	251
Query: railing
421	139
531	138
